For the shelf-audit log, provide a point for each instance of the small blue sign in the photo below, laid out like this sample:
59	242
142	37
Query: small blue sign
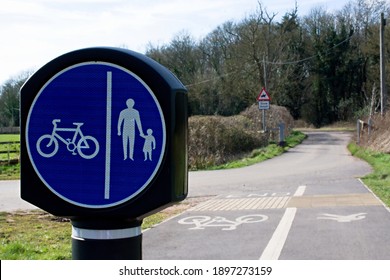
96	134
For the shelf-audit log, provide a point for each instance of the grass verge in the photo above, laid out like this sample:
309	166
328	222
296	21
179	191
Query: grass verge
38	235
262	154
34	235
379	180
10	172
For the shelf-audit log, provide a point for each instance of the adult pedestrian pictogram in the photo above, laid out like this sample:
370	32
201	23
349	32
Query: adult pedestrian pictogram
129	117
96	134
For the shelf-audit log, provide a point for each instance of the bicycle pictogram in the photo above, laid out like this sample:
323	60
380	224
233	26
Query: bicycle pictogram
87	146
202	222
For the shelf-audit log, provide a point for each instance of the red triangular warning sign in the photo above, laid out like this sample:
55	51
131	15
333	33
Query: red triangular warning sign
263	95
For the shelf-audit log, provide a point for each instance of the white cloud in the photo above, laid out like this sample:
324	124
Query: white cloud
34	32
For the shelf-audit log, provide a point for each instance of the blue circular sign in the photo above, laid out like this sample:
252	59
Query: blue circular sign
96	135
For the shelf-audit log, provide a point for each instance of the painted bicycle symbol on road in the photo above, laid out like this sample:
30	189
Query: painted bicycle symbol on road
201	222
87	146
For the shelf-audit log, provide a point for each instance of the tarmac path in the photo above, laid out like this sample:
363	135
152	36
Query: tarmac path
305	204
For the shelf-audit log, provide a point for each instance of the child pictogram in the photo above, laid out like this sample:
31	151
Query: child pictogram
149	145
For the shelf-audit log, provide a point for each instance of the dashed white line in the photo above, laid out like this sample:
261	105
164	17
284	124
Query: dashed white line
300	191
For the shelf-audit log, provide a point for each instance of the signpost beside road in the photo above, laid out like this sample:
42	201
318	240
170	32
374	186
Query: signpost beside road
264	99
263	95
104	142
263	105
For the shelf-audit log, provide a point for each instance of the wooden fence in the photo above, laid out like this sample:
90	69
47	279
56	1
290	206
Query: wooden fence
10	130
361	128
12	151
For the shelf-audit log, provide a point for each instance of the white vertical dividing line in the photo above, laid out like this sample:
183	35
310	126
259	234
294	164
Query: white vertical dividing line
108	137
278	239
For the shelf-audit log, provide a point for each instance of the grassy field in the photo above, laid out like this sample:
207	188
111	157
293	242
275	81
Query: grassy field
9	137
9	172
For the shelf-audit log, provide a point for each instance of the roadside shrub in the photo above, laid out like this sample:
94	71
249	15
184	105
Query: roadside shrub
215	140
273	117
379	138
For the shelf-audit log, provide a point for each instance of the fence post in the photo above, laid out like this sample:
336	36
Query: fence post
9	152
369	127
358	132
8	148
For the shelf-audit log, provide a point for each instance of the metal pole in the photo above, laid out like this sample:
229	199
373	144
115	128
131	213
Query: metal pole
382	65
265	86
106	240
369	124
281	135
265	72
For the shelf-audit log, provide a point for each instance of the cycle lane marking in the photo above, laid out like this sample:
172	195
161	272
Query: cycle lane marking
203	222
274	247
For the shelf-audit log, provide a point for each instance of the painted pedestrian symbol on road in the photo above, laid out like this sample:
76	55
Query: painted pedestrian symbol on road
96	134
343	218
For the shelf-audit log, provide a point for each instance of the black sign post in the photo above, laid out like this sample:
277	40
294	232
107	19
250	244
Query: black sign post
104	142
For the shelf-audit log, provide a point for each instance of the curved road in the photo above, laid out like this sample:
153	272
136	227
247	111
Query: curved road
323	157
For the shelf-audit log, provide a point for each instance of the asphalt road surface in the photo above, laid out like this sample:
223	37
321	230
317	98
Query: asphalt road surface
10	197
306	204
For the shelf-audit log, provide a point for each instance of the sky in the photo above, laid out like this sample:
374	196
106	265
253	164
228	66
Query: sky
34	32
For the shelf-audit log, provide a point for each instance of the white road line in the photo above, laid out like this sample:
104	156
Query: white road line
384	205
278	239
300	191
275	245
